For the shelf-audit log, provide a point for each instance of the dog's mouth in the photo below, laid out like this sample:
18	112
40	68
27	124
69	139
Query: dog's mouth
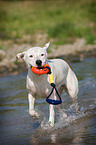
41	69
38	67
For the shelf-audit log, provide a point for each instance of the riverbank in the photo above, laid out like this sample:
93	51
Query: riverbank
70	52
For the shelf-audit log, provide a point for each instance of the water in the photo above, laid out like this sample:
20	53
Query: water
19	128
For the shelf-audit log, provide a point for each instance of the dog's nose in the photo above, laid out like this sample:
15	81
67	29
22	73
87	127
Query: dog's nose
38	62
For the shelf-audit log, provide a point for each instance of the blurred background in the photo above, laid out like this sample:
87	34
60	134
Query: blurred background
62	21
24	24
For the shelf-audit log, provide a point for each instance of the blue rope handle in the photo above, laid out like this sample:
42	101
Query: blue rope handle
51	101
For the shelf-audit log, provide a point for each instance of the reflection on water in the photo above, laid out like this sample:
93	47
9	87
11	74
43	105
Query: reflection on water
18	127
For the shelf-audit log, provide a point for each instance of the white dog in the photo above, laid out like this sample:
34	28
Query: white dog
38	85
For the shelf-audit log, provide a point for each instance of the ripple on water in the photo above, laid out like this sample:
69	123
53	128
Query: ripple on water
18	127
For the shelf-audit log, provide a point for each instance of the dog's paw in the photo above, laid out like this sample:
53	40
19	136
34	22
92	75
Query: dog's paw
34	113
45	124
51	124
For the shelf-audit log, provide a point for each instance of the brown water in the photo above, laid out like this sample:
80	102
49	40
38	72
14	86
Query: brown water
17	127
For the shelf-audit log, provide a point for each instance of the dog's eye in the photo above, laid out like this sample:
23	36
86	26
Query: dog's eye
42	54
31	56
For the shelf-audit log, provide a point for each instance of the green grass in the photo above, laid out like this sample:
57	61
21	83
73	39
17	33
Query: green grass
63	21
2	47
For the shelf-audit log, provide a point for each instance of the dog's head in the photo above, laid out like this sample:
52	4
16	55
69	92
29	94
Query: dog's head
35	56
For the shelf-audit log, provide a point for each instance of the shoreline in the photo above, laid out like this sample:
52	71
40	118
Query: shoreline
75	52
15	69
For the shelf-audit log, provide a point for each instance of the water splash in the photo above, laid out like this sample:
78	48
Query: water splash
66	117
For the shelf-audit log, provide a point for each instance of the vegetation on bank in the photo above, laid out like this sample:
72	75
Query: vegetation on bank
63	21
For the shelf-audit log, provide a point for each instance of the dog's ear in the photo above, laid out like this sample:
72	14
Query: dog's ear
46	45
20	55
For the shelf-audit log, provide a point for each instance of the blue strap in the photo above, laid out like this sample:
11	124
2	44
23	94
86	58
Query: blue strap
51	101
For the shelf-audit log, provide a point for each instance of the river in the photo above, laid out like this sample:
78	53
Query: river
17	127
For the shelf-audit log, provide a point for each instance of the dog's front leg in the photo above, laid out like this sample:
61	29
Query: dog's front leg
32	110
52	111
51	115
